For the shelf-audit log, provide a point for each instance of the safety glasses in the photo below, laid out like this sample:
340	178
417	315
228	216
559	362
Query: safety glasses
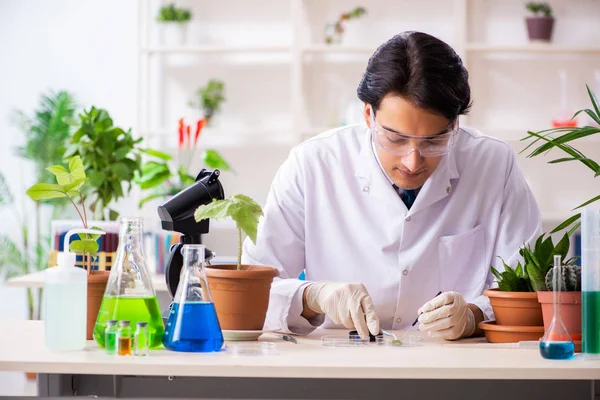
403	145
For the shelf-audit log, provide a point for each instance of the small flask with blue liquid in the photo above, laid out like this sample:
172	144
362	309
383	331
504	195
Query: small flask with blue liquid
556	343
193	325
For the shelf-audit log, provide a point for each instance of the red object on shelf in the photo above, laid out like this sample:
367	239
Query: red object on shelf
568	123
180	131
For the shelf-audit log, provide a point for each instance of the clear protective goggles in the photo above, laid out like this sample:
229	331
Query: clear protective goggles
403	145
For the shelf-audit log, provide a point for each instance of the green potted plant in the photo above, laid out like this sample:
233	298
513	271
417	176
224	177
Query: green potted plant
240	291
541	24
111	157
562	138
69	185
174	21
209	99
515	302
334	32
162	181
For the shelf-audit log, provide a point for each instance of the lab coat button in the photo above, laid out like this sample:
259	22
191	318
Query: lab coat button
398	320
366	189
407	219
405	272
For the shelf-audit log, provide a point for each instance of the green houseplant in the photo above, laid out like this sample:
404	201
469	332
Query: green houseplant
240	292
69	185
111	157
562	139
209	99
541	24
174	22
162	180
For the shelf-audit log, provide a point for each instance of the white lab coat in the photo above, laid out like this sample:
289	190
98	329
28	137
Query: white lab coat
332	211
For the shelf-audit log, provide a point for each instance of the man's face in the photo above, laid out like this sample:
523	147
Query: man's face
395	113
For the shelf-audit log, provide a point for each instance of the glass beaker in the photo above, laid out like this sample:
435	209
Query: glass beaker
556	343
193	325
590	281
129	294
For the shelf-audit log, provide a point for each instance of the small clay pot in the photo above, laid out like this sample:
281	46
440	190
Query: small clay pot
515	308
96	286
540	29
570	311
510	334
31	376
241	297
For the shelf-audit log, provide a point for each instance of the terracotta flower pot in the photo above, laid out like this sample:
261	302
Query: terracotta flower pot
540	28
96	286
510	334
31	376
241	297
570	311
515	308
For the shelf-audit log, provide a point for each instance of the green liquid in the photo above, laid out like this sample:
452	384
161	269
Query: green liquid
590	322
133	309
111	342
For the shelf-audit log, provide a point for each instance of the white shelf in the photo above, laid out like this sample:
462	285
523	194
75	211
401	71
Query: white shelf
209	49
229	137
531	48
338	49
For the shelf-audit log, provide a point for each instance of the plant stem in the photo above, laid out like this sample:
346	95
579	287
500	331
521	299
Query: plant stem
37	225
80	216
30	302
83	206
239	255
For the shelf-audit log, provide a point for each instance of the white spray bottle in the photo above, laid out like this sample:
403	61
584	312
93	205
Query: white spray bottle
65	300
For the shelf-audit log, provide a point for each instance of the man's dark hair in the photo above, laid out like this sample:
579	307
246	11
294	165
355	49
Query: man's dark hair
421	69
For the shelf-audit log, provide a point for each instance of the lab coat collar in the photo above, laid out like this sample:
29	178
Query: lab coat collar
376	183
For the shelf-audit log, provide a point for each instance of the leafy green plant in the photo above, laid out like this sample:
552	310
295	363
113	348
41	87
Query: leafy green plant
336	29
171	13
68	185
539	8
561	138
531	275
244	211
164	181
111	157
22	257
209	98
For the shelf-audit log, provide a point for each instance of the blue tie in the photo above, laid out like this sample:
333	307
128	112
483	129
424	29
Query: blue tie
407	196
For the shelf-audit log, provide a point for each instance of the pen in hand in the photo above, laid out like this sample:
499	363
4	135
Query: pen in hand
417	320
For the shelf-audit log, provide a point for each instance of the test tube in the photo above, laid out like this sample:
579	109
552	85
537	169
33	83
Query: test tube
110	337
590	281
141	339
124	339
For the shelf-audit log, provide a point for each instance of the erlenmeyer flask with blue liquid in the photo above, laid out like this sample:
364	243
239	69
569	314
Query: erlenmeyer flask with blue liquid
193	325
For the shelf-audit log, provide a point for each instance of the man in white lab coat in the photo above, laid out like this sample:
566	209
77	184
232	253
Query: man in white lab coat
384	216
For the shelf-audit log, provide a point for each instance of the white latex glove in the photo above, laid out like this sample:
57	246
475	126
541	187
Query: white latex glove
346	304
447	316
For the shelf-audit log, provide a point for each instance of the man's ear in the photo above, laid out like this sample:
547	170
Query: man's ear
367	114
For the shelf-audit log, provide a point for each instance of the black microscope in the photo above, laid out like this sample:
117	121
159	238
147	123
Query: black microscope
177	215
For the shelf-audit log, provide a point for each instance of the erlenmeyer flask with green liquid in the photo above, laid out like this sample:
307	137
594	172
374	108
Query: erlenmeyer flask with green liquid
129	293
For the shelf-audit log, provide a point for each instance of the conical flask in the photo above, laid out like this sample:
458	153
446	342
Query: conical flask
193	325
556	343
129	294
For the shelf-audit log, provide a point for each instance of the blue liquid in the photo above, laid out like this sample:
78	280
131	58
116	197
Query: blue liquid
193	327
557	350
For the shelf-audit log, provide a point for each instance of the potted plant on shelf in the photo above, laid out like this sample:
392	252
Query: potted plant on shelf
240	292
334	32
541	24
174	21
69	184
209	99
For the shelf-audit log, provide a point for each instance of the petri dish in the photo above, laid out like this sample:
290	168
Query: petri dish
344	341
253	349
408	341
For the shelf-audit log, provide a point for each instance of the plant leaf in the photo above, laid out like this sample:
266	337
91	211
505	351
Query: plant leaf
46	191
154	196
566	223
535	277
73	187
561	249
157	154
84	246
185	178
213	160
593	100
6	196
76	168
